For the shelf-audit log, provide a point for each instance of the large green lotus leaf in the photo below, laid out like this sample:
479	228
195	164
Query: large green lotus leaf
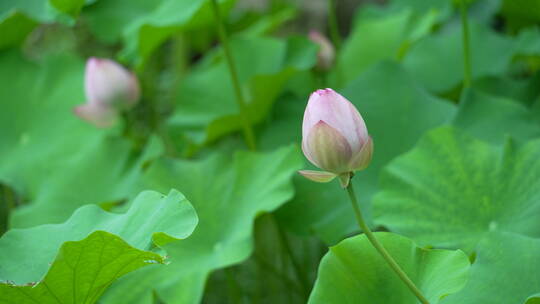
206	105
45	149
453	189
503	255
104	172
493	118
437	60
144	25
96	248
354	272
228	194
395	118
19	17
380	35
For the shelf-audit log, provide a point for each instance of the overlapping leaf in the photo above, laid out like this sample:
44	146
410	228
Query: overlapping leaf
452	189
494	118
503	255
18	18
354	272
94	248
144	25
378	36
523	90
491	54
206	102
228	194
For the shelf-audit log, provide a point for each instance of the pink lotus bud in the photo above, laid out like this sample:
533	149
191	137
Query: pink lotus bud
334	137
109	88
326	54
107	82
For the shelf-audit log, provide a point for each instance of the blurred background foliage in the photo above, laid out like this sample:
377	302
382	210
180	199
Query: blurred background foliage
454	167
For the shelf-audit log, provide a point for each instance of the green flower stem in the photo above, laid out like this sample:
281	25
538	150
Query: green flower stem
333	25
466	48
249	135
378	246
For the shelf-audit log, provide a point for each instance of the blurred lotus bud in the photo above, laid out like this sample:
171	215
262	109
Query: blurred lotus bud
97	114
109	88
110	83
326	54
334	137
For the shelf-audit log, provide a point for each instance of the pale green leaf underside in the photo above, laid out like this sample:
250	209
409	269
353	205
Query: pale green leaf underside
354	272
152	218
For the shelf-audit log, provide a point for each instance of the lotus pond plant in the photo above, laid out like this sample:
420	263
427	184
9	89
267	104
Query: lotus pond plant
335	139
210	151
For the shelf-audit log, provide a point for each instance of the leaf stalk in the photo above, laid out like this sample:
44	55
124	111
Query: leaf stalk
249	135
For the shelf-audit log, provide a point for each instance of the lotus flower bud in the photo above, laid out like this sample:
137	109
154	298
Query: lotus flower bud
334	137
326	54
109	89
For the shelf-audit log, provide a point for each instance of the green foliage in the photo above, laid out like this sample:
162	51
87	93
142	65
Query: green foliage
111	246
535	299
378	36
491	55
144	25
264	66
452	189
520	13
19	17
353	272
454	168
228	194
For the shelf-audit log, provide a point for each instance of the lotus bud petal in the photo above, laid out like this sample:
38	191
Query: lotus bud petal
326	54
109	83
326	148
362	159
334	135
318	176
96	114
